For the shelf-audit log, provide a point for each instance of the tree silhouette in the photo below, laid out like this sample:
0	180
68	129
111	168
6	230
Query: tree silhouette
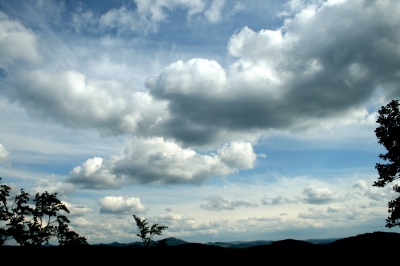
4	195
388	134
67	237
146	232
35	226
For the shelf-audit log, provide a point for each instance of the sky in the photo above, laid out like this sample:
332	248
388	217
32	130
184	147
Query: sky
223	120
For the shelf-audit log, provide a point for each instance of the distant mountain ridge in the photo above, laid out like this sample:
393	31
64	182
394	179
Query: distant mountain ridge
363	239
171	241
247	244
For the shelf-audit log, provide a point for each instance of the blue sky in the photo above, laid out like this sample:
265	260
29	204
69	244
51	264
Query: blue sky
224	120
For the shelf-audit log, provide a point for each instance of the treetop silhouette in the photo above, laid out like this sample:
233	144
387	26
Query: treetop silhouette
147	233
35	226
388	134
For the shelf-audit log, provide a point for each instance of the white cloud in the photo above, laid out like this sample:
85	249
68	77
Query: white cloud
155	9
261	224
81	222
93	175
374	193
213	14
179	223
278	200
71	99
51	186
17	43
315	195
121	205
77	210
83	19
121	19
295	6
218	203
293	77
163	218
146	17
361	184
3	153
238	155
337	215
158	161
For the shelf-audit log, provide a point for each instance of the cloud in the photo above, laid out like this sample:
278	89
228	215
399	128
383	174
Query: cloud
361	184
83	20
293	7
70	98
213	14
17	43
238	155
51	186
93	175
145	17
77	210
158	161
292	78
315	195
3	153
182	223
260	224
336	215
218	203
122	19
121	205
168	209
81	222
373	193
278	200
162	218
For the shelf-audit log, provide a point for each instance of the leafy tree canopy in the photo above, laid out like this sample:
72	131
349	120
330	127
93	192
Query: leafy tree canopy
388	134
34	226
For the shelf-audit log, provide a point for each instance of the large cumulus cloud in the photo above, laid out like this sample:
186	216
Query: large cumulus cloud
158	161
324	63
70	98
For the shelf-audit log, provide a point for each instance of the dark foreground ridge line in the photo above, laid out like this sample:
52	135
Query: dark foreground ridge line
360	248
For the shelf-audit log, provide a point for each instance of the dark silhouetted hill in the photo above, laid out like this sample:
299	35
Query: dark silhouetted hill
171	241
322	241
375	239
291	243
240	244
365	248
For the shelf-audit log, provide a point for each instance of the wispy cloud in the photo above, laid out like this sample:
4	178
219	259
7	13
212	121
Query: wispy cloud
218	203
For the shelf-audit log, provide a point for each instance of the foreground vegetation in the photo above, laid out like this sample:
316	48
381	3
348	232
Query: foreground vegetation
35	226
